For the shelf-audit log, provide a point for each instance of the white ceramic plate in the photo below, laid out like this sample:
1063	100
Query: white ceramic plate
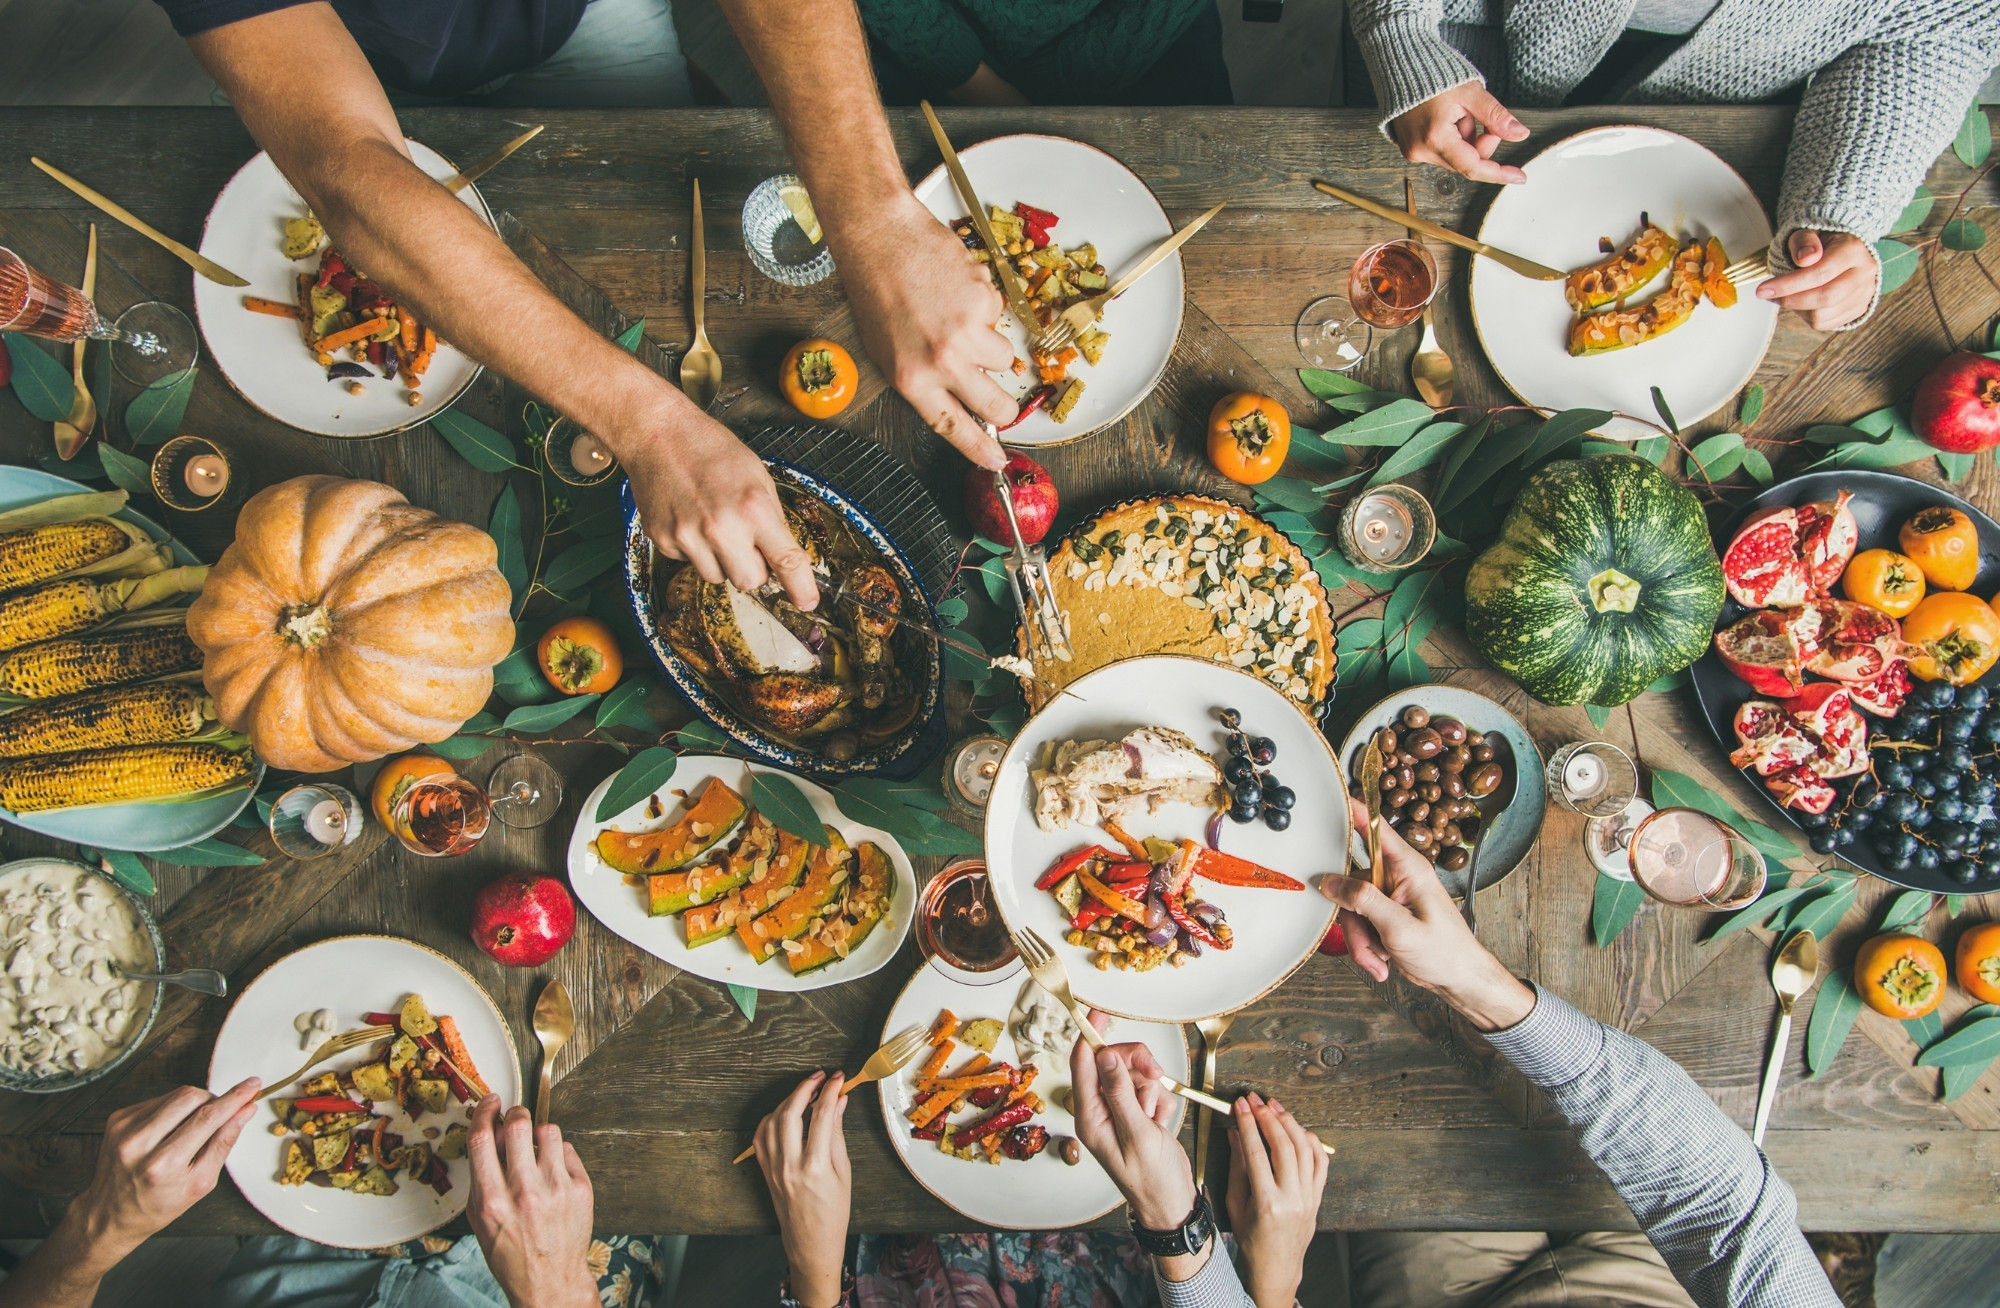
262	356
1596	184
621	906
1276	930
1097	201
1044	1193
353	975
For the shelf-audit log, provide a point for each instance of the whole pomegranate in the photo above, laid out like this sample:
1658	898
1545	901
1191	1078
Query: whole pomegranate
1035	501
523	918
1957	405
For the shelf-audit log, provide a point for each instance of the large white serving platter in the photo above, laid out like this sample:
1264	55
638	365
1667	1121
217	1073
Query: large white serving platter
1276	930
353	975
1097	201
1596	184
262	356
621	906
1043	1193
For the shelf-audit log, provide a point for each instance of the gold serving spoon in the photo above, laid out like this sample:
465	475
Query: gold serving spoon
701	366
1792	975
555	1022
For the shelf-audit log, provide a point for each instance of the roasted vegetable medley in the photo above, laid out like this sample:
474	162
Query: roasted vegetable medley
1002	1094
1054	279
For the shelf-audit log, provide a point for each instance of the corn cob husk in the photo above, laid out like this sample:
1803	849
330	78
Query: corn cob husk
70	664
73	604
117	776
72	535
155	712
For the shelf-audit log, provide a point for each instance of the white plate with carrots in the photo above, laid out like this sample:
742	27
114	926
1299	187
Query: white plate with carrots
265	357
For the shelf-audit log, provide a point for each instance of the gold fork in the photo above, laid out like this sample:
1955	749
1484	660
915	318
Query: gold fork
1212	1030
1050	974
1082	315
339	1044
1753	269
884	1062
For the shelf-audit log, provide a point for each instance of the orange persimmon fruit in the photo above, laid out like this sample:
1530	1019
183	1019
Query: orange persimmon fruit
1945	544
1979	962
580	656
395	778
819	377
1900	976
1956	637
1248	437
1885	580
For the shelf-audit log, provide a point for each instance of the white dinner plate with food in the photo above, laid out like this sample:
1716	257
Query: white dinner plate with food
350	976
264	357
621	901
1594	186
1100	202
1040	1192
1271	931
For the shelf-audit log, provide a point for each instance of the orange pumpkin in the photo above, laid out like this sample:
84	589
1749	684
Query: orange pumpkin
395	778
346	623
819	378
1956	635
1248	437
1979	962
1944	544
580	656
1900	976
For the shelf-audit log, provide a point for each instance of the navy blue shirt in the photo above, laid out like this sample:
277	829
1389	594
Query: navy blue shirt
427	47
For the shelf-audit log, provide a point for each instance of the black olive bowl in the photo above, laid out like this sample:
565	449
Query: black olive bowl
1882	503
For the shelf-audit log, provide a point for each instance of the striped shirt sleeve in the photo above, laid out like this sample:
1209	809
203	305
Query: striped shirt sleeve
1216	1285
1724	1221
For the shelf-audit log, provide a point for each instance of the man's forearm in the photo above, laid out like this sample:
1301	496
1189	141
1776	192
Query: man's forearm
64	1270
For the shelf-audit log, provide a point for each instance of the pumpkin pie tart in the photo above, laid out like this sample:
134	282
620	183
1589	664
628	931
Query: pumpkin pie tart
1184	574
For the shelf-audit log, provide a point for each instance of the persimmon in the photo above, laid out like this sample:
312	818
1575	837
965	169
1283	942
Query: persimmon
1248	437
819	377
580	656
1979	962
1900	976
395	778
1885	580
1945	544
1956	637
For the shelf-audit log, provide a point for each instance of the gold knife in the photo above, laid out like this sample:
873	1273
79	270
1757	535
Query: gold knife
1525	267
201	263
1010	279
1159	252
471	173
1371	781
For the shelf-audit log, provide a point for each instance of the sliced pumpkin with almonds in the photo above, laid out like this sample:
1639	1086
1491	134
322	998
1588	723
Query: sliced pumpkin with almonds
783	871
1714	283
715	813
826	873
668	893
863	905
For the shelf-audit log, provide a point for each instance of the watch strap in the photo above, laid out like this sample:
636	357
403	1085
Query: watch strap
1195	1230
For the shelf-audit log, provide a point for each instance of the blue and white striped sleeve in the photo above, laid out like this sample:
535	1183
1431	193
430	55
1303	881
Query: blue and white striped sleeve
1724	1221
1216	1285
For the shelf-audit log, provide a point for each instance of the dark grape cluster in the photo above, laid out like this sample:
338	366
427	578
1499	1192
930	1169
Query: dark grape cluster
1931	800
1252	788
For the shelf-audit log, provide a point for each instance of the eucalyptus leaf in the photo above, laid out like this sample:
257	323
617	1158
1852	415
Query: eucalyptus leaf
1613	905
1007	720
993	575
1926	1029
41	384
1899	262
1954	905
1957	1080
1326	384
952	611
1666	414
519	665
958	663
505	527
628	340
1653	449
745	998
1962	234
212	852
1462	449
461	748
545	717
990	546
1758	466
476	443
126	472
1390	425
582	563
701	735
1767	904
1599	716
1328	487
1604	447
1914	213
1703	457
1560	430
1957	467
643	774
1822	914
1422	450
1894	452
1417	591
1974	139
1834	1009
480	722
125	868
1906	909
944	839
625	706
1363	401
874	802
1678	789
1752	407
1840	434
1359	634
1671	682
1974	1042
1496	452
1291	493
1725	467
1407	668
88	465
779	798
155	413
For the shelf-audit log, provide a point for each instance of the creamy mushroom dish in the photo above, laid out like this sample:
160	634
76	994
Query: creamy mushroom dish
63	1010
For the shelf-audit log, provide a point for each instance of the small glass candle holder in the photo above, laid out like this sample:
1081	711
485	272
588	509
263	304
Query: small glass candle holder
970	768
959	928
1387	529
783	250
194	474
576	456
1593	777
311	821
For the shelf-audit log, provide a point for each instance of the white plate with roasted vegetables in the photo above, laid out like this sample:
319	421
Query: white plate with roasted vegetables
312	341
698	873
982	1116
106	735
1079	219
368	1148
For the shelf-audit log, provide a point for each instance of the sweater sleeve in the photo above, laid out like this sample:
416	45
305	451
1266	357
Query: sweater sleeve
928	37
1409	61
1725	1223
1216	1285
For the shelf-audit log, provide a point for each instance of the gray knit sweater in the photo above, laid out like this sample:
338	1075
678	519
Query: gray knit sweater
1889	80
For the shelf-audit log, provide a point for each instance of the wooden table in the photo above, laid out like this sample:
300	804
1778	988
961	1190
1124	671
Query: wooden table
665	1078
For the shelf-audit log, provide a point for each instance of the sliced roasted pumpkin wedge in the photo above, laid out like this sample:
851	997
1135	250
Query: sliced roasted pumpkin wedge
1623	273
714	814
863	905
826	873
785	868
1615	329
674	892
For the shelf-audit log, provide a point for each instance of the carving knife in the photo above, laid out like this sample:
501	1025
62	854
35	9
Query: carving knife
1010	280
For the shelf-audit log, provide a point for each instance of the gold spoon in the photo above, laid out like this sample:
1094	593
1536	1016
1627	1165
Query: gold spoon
1430	366
701	366
555	1022
1792	974
75	427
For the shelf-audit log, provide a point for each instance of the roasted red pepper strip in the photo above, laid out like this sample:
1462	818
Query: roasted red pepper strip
1115	900
1005	1120
1133	846
1188	922
1069	863
1233	871
934	1131
1126	869
1029	213
317	1104
1089	915
1028	406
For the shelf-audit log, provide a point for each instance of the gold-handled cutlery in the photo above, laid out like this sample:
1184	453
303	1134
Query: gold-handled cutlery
1079	317
472	172
1371	786
1430	367
701	366
1212	1030
1525	267
1793	973
555	1022
882	1064
1755	268
75	427
201	263
1011	287
1049	973
339	1044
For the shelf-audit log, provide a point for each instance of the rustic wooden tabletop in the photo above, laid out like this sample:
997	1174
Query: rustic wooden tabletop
665	1077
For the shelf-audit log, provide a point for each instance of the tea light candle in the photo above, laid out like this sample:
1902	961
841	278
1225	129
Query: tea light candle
205	475
1584	776
588	455
1381	527
326	822
971	770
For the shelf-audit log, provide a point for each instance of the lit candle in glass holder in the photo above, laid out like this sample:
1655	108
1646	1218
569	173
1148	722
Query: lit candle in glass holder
326	822
205	474
1387	529
970	769
589	455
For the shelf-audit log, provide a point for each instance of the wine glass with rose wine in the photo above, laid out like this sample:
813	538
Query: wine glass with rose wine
157	339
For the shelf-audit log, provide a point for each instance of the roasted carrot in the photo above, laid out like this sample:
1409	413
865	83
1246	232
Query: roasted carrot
961	1084
971	1067
276	308
360	331
929	1109
430	343
420	365
945	1027
409	336
935	1063
1134	847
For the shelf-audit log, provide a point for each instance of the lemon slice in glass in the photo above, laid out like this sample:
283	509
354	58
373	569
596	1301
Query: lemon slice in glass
801	205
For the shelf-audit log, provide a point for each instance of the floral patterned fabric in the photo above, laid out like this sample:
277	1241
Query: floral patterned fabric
1004	1269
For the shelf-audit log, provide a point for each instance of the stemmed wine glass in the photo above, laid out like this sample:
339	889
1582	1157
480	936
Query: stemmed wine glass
159	342
525	791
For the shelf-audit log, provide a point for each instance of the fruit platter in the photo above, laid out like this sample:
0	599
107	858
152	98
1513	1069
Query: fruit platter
1851	672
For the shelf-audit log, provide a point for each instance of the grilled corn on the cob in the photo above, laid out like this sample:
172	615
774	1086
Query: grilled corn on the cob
73	663
107	776
152	713
39	553
79	603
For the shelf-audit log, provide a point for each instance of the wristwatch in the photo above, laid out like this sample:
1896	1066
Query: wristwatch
1195	1230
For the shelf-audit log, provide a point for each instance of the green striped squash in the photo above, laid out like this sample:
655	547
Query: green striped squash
1603	580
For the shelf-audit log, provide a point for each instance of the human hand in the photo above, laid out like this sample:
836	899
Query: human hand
1417	926
1277	1171
157	1159
804	1157
1835	279
1125	1119
926	310
530	1206
1446	130
986	87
